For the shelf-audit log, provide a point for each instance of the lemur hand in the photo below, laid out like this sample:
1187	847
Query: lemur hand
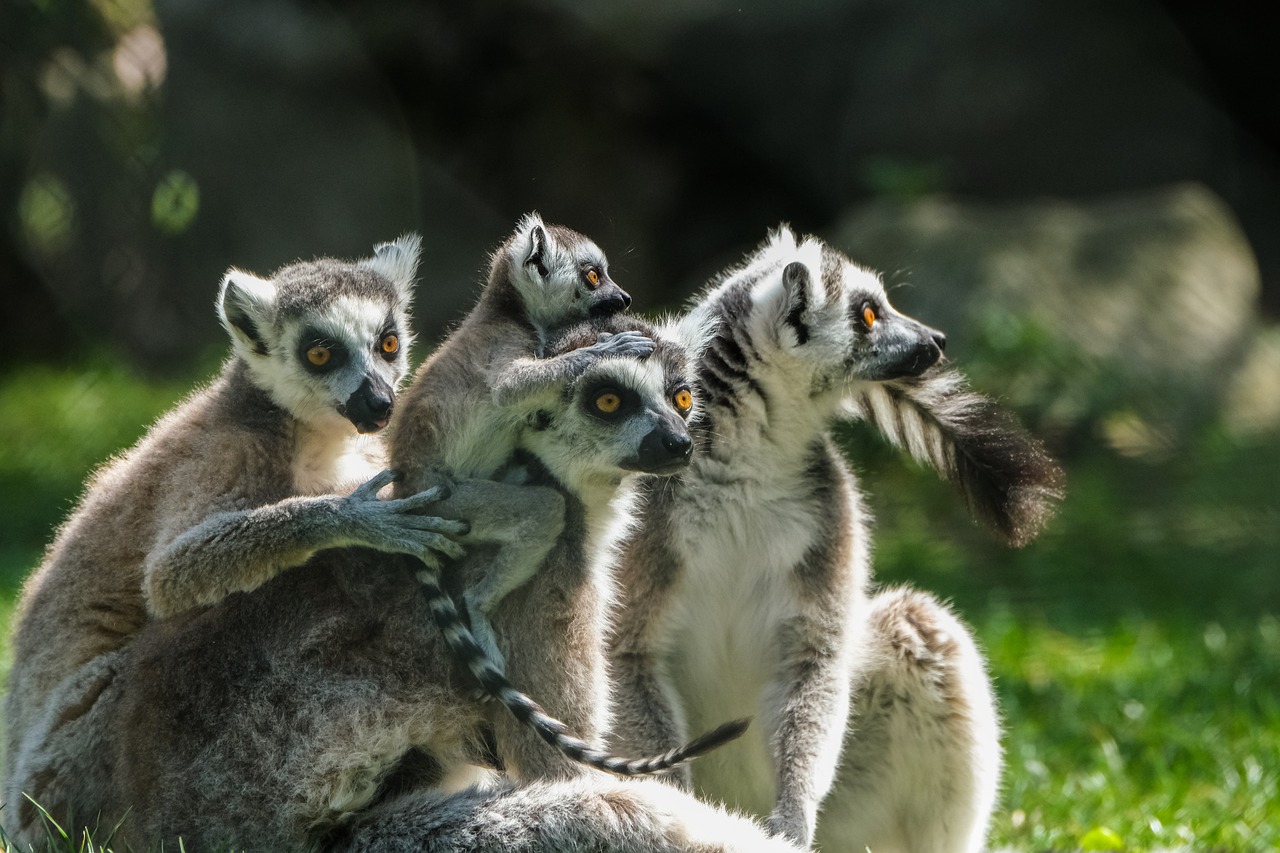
396	525
633	344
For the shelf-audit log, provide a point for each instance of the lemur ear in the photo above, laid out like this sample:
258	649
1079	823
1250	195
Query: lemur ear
694	331
397	261
797	289
246	305
531	244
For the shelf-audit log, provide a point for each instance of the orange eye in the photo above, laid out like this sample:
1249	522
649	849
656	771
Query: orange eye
683	400
593	276
608	402
390	344
319	356
868	315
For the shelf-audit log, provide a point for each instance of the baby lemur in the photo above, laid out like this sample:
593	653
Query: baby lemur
245	478
271	721
462	418
746	582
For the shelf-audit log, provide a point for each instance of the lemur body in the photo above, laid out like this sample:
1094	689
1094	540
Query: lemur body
463	418
243	479
272	721
746	583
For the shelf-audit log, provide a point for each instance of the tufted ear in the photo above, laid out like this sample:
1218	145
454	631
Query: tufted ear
397	261
530	245
797	299
246	306
694	331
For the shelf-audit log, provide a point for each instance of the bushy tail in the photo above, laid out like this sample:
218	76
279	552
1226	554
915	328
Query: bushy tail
465	648
1005	476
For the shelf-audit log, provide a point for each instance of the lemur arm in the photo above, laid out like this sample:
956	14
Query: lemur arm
526	376
240	550
646	716
810	717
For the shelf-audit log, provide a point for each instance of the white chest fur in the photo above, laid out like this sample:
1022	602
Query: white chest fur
328	461
739	543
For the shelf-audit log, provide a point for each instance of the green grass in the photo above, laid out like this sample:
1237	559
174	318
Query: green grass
1135	646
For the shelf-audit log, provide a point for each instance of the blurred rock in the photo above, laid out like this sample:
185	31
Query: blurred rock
1252	405
1145	302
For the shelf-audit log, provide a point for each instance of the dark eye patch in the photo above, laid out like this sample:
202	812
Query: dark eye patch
313	338
609	402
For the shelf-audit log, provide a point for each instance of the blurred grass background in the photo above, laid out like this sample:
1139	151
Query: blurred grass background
1084	195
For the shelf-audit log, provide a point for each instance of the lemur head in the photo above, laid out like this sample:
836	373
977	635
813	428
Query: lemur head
824	317
622	415
559	275
327	339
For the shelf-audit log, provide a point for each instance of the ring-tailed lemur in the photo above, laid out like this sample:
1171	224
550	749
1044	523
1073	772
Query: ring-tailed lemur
272	720
242	480
462	419
462	415
746	582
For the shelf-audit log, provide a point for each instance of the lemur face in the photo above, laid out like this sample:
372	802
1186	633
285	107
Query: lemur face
824	310
561	275
622	415
327	340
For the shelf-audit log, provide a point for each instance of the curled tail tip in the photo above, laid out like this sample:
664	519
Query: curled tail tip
716	738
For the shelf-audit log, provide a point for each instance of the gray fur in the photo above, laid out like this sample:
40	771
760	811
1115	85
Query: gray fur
463	419
245	478
276	719
746	581
593	814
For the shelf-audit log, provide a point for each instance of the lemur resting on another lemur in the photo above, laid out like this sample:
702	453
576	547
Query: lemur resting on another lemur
275	721
462	418
746	582
245	478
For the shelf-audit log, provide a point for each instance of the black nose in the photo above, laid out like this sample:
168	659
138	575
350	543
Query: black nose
610	299
664	449
369	406
940	340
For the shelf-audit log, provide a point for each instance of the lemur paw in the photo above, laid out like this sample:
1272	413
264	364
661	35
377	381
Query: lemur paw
396	525
631	344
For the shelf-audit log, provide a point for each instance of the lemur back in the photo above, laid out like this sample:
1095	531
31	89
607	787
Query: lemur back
245	478
334	689
747	581
463	418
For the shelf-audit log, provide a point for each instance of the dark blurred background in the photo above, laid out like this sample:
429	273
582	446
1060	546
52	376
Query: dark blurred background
1085	195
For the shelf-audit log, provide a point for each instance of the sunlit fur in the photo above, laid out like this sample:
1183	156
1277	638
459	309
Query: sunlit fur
745	590
247	477
350	305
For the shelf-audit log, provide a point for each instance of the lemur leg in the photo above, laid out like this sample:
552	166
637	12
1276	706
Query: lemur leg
647	716
922	761
523	522
59	763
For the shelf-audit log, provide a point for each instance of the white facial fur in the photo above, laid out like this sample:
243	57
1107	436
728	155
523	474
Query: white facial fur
272	347
559	295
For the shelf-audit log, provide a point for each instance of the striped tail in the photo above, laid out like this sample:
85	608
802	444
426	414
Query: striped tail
464	646
1005	476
